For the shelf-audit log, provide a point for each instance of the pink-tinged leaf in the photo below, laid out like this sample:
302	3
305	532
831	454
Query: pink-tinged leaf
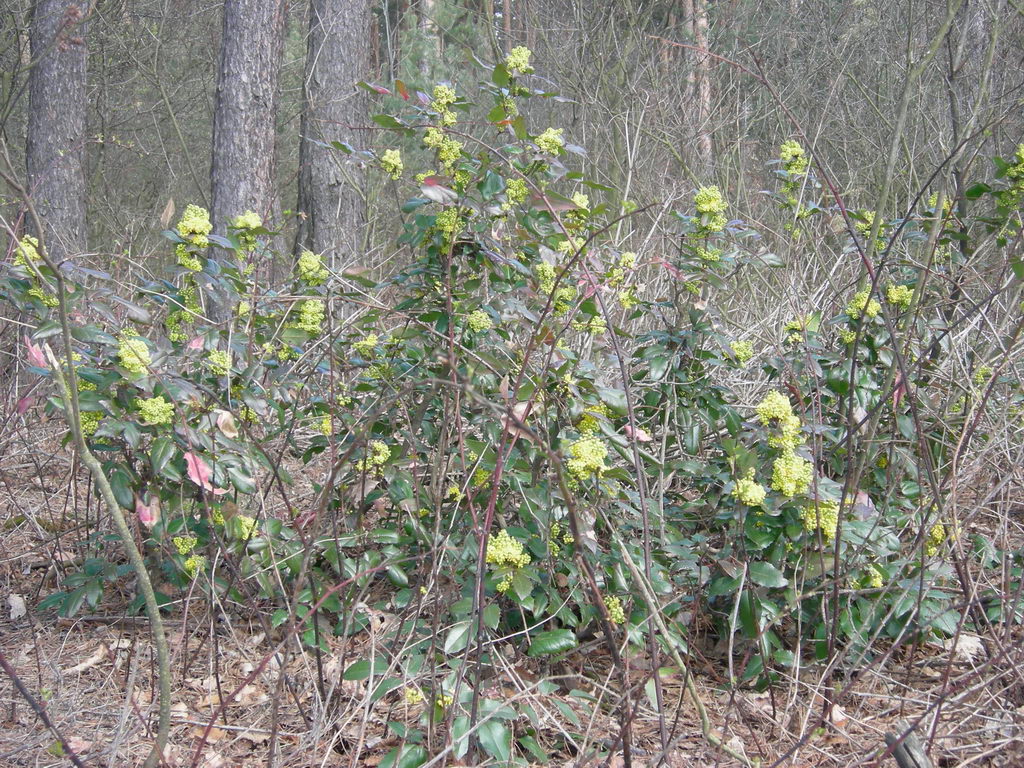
24	404
899	391
196	343
35	353
226	424
433	190
670	269
640	435
402	90
198	471
148	514
589	286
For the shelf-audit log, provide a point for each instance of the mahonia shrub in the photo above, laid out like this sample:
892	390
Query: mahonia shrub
514	403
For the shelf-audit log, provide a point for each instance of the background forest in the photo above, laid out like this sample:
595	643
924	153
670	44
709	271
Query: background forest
514	382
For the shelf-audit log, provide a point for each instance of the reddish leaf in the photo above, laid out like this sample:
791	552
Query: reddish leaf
198	471
149	515
640	435
24	404
402	90
196	343
35	353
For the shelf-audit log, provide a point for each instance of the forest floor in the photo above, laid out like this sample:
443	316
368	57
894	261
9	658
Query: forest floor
94	675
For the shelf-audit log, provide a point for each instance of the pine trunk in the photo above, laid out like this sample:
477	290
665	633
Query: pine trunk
55	149
242	172
330	188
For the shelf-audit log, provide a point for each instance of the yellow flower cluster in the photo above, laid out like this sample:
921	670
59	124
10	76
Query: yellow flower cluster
247	220
743	350
412	695
154	411
551	141
44	297
595	326
791	474
391	162
479	321
219	362
589	423
506	551
981	375
518	60
90	422
711	207
194	226
133	352
847	336
586	458
187	259
571	244
515	192
326	426
873	578
862	304
310	317
377	455
545	277
311	269
184	544
195	565
27	252
823	515
444	97
794	160
775	411
748	491
366	347
247	527
448	222
449	150
899	295
613	605
864	229
936	536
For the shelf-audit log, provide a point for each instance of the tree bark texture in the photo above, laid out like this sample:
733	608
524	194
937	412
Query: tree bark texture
703	76
55	149
330	186
242	172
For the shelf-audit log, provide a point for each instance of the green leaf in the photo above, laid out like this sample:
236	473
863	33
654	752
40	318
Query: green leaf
387	121
492	614
767	575
407	756
160	453
552	641
496	738
458	637
363	669
1017	265
975	191
121	485
460	744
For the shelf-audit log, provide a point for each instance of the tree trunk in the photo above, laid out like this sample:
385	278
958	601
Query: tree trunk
330	189
55	151
703	78
242	172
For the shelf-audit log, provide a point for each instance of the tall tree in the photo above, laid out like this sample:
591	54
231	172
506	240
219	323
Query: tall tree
330	190
242	173
55	149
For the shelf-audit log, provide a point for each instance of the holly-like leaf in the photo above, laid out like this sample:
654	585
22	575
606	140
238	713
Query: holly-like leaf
552	641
